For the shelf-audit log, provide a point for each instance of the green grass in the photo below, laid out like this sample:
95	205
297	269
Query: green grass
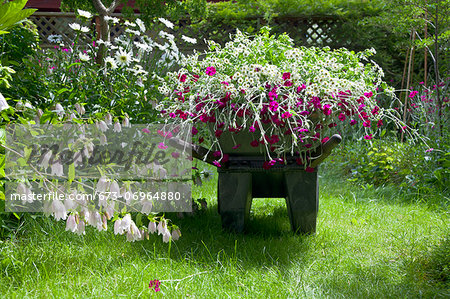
369	244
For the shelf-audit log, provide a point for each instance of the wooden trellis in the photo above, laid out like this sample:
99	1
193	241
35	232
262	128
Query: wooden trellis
57	23
305	31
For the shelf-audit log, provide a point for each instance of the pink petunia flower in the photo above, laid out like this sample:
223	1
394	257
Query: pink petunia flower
254	143
161	145
210	71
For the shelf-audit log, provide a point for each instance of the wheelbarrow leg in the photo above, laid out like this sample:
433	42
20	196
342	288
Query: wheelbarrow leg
302	200
235	199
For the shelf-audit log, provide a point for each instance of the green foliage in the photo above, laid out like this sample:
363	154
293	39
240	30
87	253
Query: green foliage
436	262
289	8
16	47
12	13
412	167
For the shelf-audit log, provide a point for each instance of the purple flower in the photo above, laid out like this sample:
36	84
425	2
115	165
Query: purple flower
413	93
286	114
429	150
162	146
254	143
273	106
210	71
154	284
326	109
286	76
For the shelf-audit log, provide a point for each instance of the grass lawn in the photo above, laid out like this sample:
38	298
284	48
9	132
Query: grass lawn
369	244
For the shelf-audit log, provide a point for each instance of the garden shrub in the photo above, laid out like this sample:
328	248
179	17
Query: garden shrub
415	168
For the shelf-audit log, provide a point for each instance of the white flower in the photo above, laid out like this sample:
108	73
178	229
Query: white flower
78	158
143	46
71	203
80	109
103	140
3	104
59	210
80	228
162	227
128	23
102	185
166	35
55	38
133	32
117	127
24	191
140	25
84	14
71	223
59	109
83	57
45	159
114	188
189	39
166	236
110	62
123	57
124	225
57	169
167	23
78	27
102	126
152	227
117	227
108	118
147	207
126	122
109	210
95	220
113	20
133	233
75	26
176	234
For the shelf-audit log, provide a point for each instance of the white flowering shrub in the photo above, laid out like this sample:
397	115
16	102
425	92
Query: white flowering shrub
126	81
112	94
289	99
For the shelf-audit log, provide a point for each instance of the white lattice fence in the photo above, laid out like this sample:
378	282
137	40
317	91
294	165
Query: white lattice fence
57	23
305	31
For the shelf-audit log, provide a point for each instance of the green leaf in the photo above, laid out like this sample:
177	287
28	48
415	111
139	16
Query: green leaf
71	175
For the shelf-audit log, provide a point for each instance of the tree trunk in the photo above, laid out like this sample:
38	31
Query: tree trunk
104	26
